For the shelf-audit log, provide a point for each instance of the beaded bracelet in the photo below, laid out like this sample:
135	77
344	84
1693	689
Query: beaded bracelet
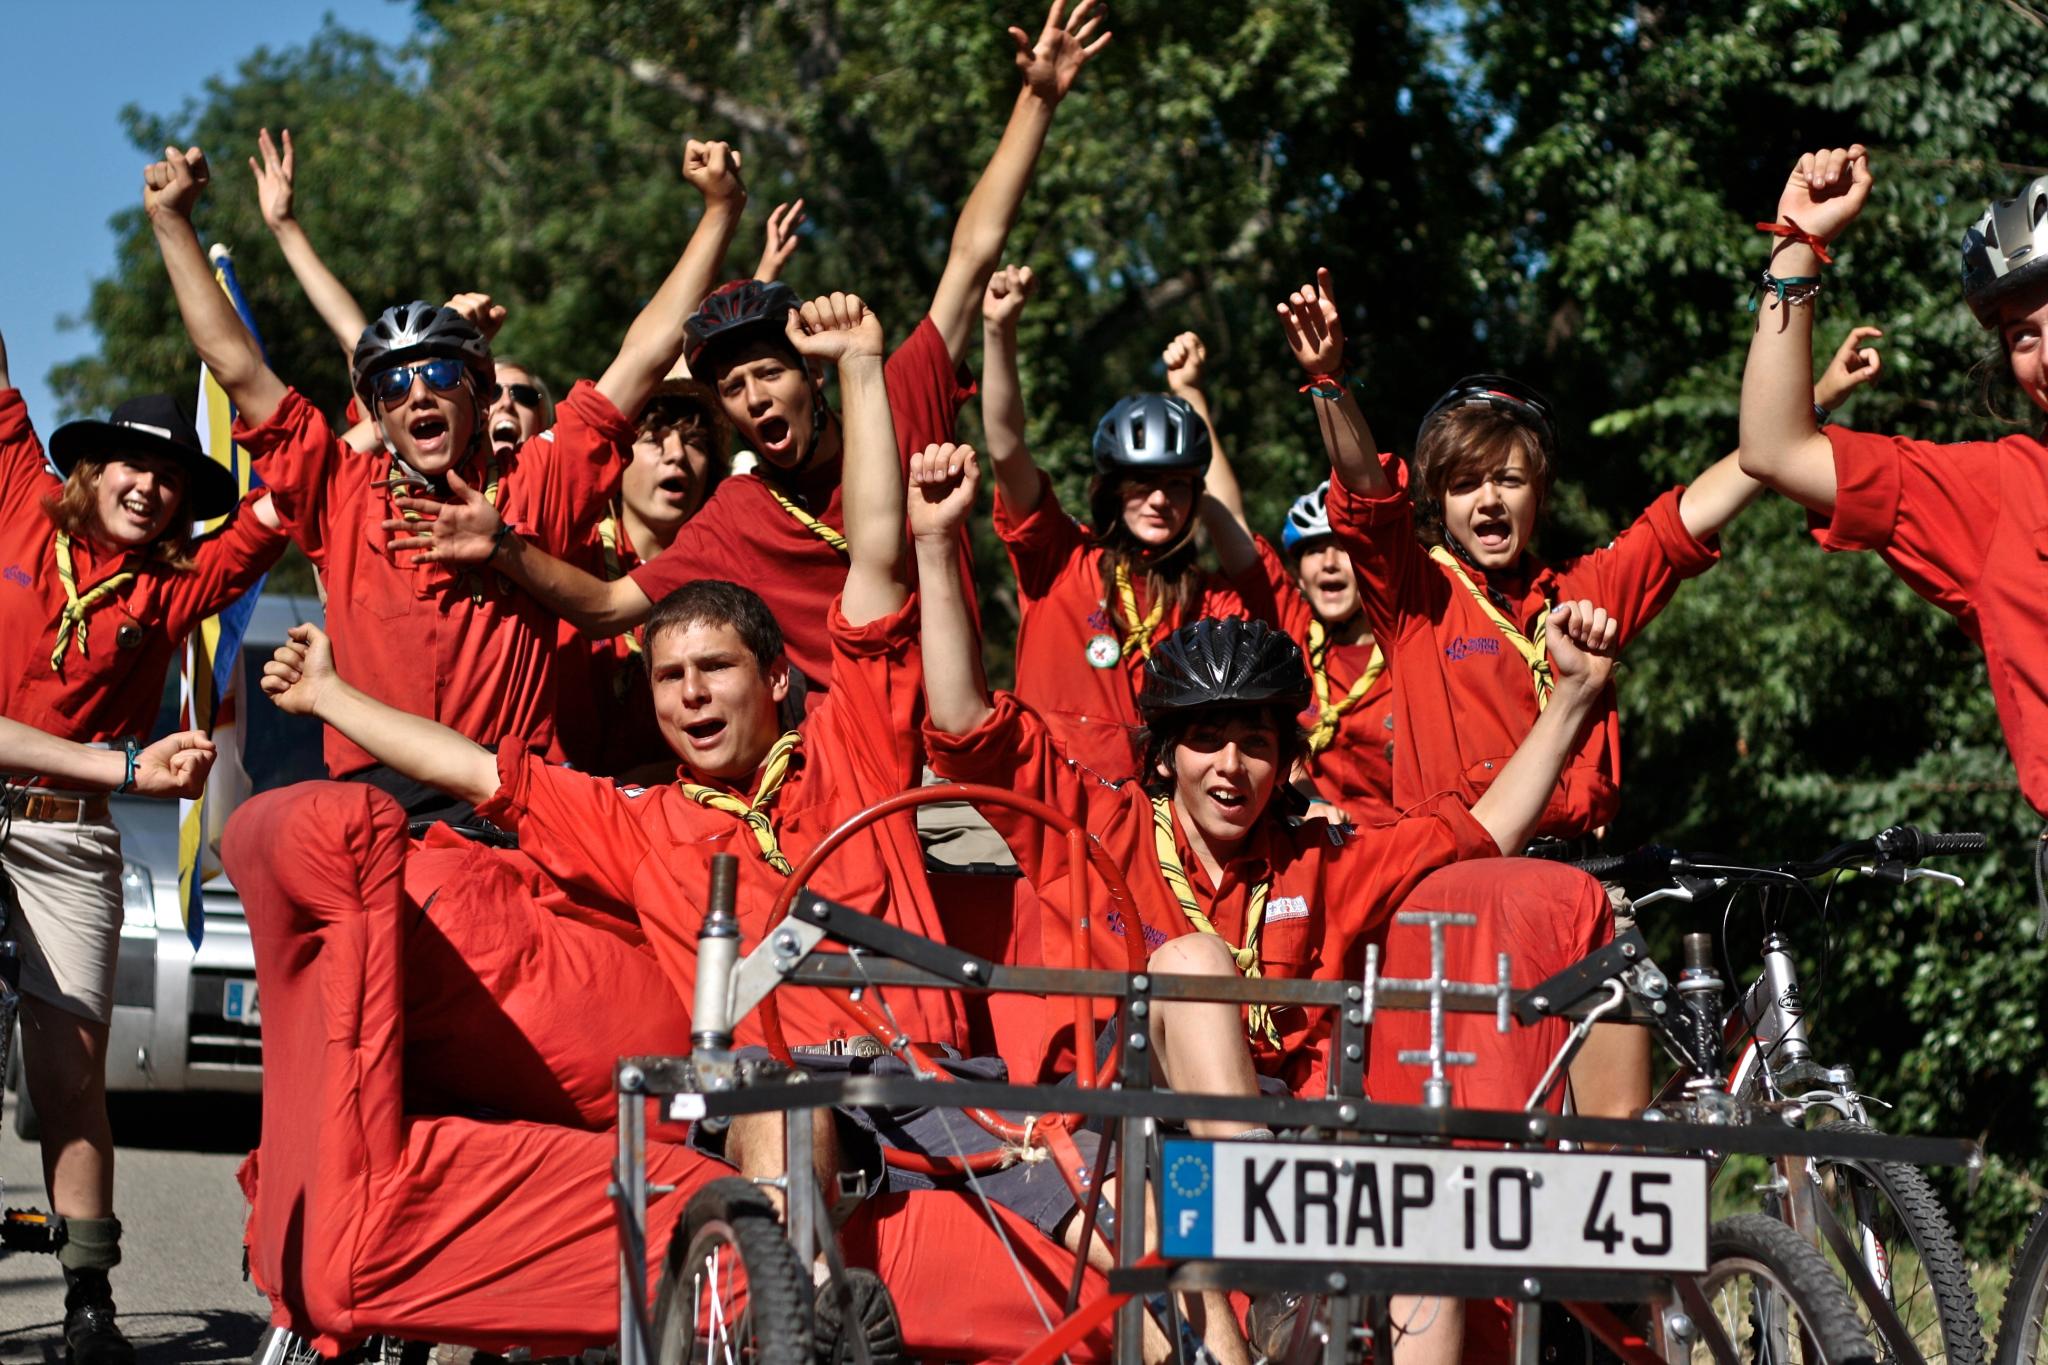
128	782
1793	289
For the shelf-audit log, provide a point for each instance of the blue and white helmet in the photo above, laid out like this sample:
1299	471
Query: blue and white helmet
1307	519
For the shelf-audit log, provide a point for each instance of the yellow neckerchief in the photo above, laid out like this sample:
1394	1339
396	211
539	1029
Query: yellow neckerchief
774	769
1328	716
1260	1024
404	474
1533	654
807	521
608	539
71	618
1137	634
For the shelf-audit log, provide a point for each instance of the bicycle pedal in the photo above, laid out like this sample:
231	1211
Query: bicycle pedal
28	1230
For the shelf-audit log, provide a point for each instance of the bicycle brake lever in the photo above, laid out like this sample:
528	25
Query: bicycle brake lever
1665	893
1885	872
1917	874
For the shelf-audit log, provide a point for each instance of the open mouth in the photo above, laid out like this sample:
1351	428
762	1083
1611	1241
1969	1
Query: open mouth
505	431
1229	800
139	508
774	435
677	486
1491	535
703	731
429	432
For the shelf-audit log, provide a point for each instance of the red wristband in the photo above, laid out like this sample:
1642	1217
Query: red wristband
1324	385
1793	232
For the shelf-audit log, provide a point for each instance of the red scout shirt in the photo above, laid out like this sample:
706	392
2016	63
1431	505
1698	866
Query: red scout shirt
466	648
649	849
606	721
113	691
1356	772
1464	699
743	534
1327	891
1069	668
1966	526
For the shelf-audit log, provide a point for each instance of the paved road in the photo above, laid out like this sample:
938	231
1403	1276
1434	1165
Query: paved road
180	1288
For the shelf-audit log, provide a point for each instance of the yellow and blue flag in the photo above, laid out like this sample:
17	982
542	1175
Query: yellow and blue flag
213	651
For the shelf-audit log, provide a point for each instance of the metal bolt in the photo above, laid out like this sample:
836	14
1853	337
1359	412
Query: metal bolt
1541	1002
1347	1112
1658	1007
816	909
1532	1287
1353	1051
1337	1282
1679	1325
971	970
1354	1016
1628	950
1136	1042
1140	1008
1354	993
785	942
631	1079
1538	1126
1141	982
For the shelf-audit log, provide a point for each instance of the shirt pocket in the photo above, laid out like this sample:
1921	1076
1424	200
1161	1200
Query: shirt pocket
1286	947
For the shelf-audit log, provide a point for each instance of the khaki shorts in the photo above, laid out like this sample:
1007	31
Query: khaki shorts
67	877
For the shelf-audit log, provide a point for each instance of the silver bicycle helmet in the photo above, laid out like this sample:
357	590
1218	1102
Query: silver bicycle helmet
1151	433
1307	519
2006	251
420	331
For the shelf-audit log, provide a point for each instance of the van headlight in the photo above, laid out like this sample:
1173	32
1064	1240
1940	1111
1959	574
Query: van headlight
138	897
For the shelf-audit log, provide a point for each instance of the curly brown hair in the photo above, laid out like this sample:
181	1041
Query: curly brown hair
74	509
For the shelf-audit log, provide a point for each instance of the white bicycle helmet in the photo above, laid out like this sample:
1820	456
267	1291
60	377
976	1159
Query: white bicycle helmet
1307	519
2006	251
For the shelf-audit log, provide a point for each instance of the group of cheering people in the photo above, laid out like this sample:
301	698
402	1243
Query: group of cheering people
570	656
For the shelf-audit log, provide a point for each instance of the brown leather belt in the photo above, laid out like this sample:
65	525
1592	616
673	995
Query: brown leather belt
44	808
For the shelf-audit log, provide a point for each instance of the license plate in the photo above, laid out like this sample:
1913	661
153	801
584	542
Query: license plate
238	1003
1282	1201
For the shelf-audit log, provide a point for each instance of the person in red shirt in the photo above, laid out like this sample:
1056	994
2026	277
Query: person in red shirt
1460	620
1350	716
1224	883
103	579
1093	600
1960	523
459	647
778	528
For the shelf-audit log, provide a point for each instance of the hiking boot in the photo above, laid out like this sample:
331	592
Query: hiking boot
90	1336
874	1316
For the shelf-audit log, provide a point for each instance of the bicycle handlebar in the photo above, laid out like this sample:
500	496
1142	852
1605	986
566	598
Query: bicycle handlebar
1898	846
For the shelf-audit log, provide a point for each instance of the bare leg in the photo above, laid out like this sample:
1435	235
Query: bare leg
1209	1313
1427	1331
1201	1044
759	1145
65	1059
1610	1077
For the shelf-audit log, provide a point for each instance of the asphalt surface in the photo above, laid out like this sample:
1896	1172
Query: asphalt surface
179	1287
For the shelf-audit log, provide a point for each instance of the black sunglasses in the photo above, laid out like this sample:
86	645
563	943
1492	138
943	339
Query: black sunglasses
443	375
525	395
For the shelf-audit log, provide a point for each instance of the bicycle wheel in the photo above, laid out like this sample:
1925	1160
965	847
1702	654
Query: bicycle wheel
1905	1241
1775	1298
731	1289
2020	1322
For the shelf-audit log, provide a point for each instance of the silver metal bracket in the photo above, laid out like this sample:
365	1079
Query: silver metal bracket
1436	1091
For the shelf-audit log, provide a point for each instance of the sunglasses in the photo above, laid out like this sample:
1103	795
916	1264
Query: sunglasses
525	395
443	375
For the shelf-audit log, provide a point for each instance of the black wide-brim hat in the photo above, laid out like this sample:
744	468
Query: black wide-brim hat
153	424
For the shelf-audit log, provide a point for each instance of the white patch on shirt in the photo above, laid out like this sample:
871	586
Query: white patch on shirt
630	792
1286	907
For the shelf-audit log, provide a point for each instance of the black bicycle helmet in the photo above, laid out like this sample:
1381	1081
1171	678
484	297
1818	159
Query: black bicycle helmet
2006	251
1307	519
1211	664
420	331
1502	394
732	312
1152	433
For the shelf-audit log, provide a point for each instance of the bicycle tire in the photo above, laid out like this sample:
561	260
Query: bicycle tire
1912	1208
731	1289
1800	1288
2020	1322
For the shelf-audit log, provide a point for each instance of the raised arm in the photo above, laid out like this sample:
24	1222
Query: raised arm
175	765
942	485
1049	67
1781	444
301	679
779	240
656	337
6	380
1002	393
1581	640
275	182
171	188
840	328
1222	509
1315	335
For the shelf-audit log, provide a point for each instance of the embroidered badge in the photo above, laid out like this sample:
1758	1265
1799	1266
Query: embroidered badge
1103	651
1466	646
18	576
1286	908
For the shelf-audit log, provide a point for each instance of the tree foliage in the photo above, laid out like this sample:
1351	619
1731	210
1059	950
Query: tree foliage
1564	191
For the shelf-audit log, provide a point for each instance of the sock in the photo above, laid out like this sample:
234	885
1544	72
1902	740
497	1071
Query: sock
90	1244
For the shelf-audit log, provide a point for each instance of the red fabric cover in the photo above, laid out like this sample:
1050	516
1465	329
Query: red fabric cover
956	1293
1465	700
1060	608
364	1220
102	691
1966	526
512	1008
744	535
466	649
1545	916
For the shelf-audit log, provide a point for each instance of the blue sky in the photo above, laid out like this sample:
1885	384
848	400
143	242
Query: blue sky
74	64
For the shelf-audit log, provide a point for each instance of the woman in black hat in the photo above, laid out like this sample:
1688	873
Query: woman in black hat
101	579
